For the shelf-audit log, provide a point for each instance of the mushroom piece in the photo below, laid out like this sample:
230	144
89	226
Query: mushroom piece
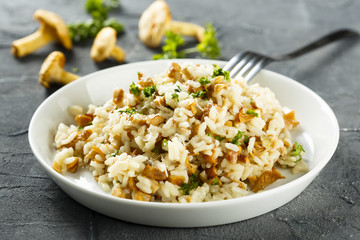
104	46
52	28
52	70
156	20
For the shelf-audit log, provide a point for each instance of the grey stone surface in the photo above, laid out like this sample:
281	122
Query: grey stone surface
33	206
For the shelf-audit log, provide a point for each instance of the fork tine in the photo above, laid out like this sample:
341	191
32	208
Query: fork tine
233	61
249	65
260	65
243	61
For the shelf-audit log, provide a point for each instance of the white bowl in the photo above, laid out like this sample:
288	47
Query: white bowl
319	135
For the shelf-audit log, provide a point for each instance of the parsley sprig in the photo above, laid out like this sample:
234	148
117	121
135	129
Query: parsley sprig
99	10
209	47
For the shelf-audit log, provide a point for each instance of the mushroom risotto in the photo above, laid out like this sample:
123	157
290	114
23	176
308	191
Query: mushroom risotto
189	134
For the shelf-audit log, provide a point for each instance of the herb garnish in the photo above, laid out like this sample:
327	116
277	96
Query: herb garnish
218	71
209	47
99	10
252	112
116	152
175	96
193	183
219	138
297	150
204	81
215	181
172	42
236	139
129	111
164	143
149	91
134	89
199	94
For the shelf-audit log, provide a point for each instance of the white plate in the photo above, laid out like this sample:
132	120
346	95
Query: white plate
319	135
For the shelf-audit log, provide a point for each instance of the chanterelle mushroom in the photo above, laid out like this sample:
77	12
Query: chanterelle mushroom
156	20
104	46
52	70
52	28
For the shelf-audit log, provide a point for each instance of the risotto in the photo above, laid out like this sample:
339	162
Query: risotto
189	134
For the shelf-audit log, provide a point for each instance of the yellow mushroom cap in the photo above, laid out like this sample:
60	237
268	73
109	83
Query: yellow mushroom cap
103	45
53	20
153	23
53	64
52	70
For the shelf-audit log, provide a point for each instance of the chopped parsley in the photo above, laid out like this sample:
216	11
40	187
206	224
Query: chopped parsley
75	69
297	150
199	94
252	112
246	139
177	89
236	139
129	111
134	89
116	152
149	91
204	81
193	183
175	96
164	143
219	138
156	150
218	71
215	181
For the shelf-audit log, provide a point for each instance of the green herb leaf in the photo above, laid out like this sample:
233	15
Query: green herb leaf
129	111
156	150
209	47
218	71
170	50
149	91
236	139
116	152
164	143
98	9
252	112
193	183
204	81
215	181
177	89
298	150
219	138
175	96
134	89
199	94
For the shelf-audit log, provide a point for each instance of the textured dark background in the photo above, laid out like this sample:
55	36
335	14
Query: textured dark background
33	207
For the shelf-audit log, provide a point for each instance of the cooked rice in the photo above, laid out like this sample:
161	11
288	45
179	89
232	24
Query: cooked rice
177	145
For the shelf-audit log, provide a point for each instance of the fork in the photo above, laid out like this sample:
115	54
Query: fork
248	64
